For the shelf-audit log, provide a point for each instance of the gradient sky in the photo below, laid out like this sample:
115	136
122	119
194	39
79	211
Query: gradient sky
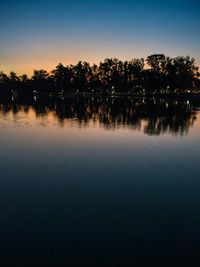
40	34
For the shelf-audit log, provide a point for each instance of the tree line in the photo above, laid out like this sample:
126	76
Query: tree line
158	74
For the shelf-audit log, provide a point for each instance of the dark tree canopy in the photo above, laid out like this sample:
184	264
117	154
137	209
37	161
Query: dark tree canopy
162	75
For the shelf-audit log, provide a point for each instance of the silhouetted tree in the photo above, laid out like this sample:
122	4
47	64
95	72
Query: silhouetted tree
62	77
157	62
4	84
164	75
181	72
40	80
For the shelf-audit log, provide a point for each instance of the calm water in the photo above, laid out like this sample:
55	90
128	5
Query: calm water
111	182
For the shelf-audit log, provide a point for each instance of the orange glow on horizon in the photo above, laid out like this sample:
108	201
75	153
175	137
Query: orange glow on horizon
28	68
47	55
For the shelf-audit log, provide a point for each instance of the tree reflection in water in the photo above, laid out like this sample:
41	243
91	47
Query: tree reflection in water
154	116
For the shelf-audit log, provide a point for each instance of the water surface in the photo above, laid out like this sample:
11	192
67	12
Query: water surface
102	182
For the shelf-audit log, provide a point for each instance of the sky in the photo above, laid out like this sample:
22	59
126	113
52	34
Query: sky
40	34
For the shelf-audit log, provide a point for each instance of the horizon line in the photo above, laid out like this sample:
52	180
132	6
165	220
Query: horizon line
50	69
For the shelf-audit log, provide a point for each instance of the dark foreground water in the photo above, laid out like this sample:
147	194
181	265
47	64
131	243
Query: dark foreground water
92	182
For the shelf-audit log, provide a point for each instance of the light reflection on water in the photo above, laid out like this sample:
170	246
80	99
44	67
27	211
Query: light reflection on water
99	182
152	116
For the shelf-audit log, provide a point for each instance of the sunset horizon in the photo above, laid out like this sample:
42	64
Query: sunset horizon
39	35
24	69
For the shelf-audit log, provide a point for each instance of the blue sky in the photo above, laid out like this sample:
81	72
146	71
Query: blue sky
40	34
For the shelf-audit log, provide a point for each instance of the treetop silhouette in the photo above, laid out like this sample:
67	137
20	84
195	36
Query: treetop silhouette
163	75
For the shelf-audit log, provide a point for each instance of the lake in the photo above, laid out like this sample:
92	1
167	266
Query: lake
100	182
